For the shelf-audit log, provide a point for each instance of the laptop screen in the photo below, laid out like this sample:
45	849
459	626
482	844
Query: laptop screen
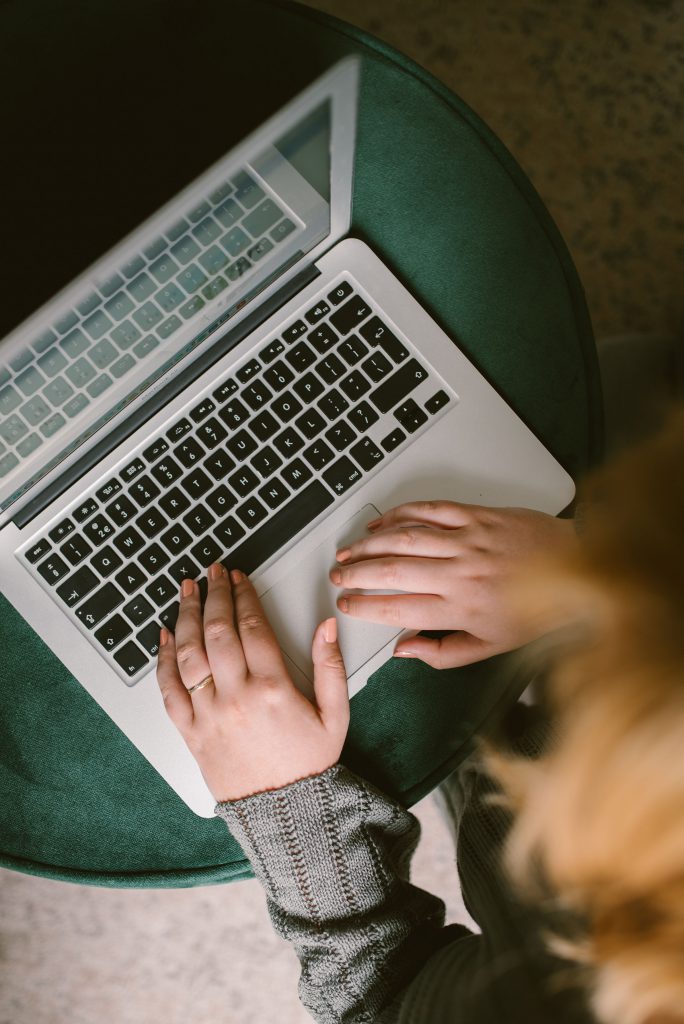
159	297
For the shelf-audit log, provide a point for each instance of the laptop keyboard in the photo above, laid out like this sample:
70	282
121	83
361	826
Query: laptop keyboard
147	300
288	433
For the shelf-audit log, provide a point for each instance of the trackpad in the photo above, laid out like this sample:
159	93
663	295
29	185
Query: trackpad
296	604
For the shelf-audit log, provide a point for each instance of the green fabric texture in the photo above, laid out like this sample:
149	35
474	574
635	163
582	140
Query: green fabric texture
438	197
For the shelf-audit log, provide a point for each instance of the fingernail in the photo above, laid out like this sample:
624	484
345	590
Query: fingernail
330	630
215	571
336	576
373	523
343	555
343	604
163	636
236	576
187	587
404	654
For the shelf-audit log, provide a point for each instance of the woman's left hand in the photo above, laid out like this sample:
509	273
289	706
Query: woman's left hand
250	730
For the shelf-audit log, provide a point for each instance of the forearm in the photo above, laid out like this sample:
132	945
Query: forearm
333	855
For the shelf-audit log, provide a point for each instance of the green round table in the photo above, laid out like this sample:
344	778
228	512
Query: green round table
117	106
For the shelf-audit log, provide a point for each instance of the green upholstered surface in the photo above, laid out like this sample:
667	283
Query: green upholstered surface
441	200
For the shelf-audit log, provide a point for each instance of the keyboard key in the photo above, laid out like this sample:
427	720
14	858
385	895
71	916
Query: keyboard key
58	390
119	306
244	481
9	400
278	376
148	638
377	367
42	343
294	331
106	560
188	452
129	541
147	317
301	357
317	312
348	317
155	450
262	217
228	212
108	490
61	530
125	334
296	473
98	605
198	520
228	388
249	370
318	454
342	290
251	512
133	469
177	229
202	410
241	445
131	578
366	453
52	362
176	539
331	369
398	386
211	433
196	483
38	550
88	304
111	285
192	278
166	471
98	324
77	586
163	269
437	402
133	266
174	502
130	658
274	493
153	559
355	385
286	406
310	424
199	211
161	590
184	569
268	354
323	338
237	269
393	440
151	522
66	322
143	491
142	287
74	343
333	404
7	463
169	616
342	475
340	435
363	416
247	190
218	465
308	387
53	569
206	552
234	413
284	525
98	529
282	230
168	298
207	231
288	442
85	510
113	632
376	333
179	429
76	405
99	385
411	416
256	394
138	611
145	346
229	532
121	511
235	241
266	462
221	500
264	426
28	445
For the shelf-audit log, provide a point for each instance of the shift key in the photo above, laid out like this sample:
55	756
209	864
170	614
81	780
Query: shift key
394	388
99	604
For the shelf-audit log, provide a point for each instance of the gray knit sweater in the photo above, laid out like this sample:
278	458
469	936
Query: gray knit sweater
333	853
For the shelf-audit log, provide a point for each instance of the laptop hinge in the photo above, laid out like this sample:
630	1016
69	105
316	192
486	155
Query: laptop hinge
165	394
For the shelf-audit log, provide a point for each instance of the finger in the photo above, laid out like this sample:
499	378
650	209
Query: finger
330	679
403	540
451	651
177	701
262	652
415	575
222	643
406	611
193	664
449	514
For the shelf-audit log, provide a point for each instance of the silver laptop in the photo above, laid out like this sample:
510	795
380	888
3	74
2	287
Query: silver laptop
236	380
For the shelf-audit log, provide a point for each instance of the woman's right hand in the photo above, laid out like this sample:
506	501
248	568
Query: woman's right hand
455	563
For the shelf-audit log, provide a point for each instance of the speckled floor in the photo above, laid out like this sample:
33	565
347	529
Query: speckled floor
587	95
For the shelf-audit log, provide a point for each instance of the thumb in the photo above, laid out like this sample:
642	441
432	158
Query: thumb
450	651
330	677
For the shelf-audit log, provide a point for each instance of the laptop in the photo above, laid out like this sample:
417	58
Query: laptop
237	380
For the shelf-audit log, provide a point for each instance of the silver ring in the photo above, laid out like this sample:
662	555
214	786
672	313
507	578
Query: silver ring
203	683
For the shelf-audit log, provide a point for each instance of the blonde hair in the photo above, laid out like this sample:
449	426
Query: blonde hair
601	816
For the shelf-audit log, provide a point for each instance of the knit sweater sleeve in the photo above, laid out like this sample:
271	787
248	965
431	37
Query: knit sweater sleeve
332	854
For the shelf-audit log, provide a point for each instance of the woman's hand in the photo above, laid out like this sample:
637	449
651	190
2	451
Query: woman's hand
251	730
455	562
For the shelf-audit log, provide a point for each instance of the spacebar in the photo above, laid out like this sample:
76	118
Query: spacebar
278	530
